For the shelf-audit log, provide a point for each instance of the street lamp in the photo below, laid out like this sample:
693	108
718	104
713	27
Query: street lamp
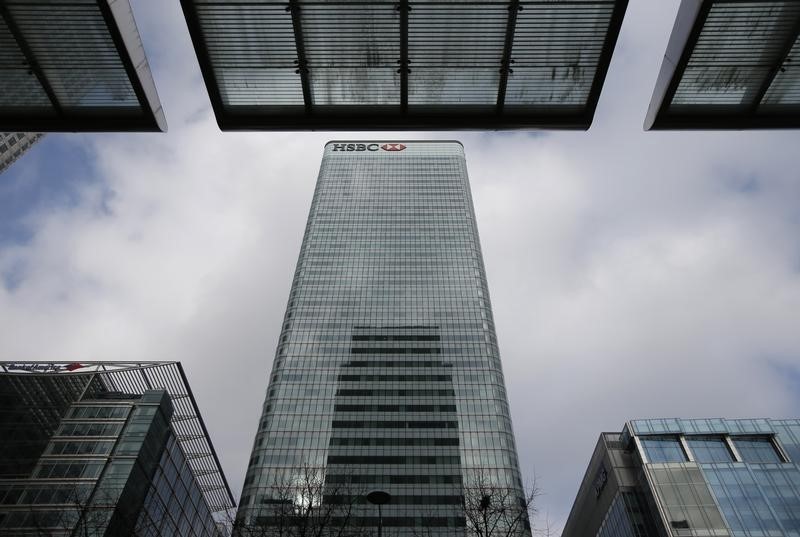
379	497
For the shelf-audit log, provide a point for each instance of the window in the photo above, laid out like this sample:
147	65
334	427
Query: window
663	449
757	449
709	449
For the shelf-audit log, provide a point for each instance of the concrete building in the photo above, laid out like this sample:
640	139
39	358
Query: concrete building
692	478
13	145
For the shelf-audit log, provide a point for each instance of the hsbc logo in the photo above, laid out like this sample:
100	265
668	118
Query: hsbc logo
368	147
393	147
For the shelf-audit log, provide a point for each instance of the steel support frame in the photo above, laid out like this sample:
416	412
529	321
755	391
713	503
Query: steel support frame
302	61
514	8
404	62
786	49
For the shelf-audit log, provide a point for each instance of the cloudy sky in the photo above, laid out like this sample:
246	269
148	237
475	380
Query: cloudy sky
632	274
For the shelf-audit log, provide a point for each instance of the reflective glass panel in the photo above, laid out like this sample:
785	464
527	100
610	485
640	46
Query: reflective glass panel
757	449
709	449
663	449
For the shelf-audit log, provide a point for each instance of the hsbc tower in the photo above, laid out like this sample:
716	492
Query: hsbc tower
387	374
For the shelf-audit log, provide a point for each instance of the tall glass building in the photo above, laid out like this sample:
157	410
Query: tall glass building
387	374
692	478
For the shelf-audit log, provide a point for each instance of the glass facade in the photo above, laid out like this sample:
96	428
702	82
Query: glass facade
702	478
83	454
387	373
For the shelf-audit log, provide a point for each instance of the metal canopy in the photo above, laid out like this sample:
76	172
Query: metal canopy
730	64
403	64
75	65
136	378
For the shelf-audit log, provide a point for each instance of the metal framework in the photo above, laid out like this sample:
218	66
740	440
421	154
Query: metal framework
187	424
74	66
729	65
333	65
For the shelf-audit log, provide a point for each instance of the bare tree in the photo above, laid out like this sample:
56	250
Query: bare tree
491	510
546	528
305	505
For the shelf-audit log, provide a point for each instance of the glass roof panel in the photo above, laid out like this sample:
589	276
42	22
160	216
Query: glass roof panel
556	52
455	52
72	45
252	51
260	86
351	35
74	66
350	54
453	85
355	85
738	47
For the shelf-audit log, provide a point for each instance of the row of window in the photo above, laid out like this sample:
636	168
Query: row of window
397	499
393	459
402	424
363	392
372	522
89	429
397	337
408	441
390	350
28	493
70	470
394	479
303	325
80	447
710	449
98	412
394	408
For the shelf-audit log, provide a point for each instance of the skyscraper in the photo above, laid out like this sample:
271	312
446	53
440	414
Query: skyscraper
13	145
692	478
387	373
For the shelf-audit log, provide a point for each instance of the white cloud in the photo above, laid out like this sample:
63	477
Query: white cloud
632	274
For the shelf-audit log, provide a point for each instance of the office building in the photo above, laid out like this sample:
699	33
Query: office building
730	64
387	374
13	145
692	478
404	64
106	449
74	66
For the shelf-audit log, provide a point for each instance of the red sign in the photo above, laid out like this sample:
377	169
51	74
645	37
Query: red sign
393	147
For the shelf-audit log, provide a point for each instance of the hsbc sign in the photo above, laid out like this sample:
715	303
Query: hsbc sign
368	147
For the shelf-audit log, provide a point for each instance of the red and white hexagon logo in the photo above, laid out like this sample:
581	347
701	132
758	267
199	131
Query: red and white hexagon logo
393	147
